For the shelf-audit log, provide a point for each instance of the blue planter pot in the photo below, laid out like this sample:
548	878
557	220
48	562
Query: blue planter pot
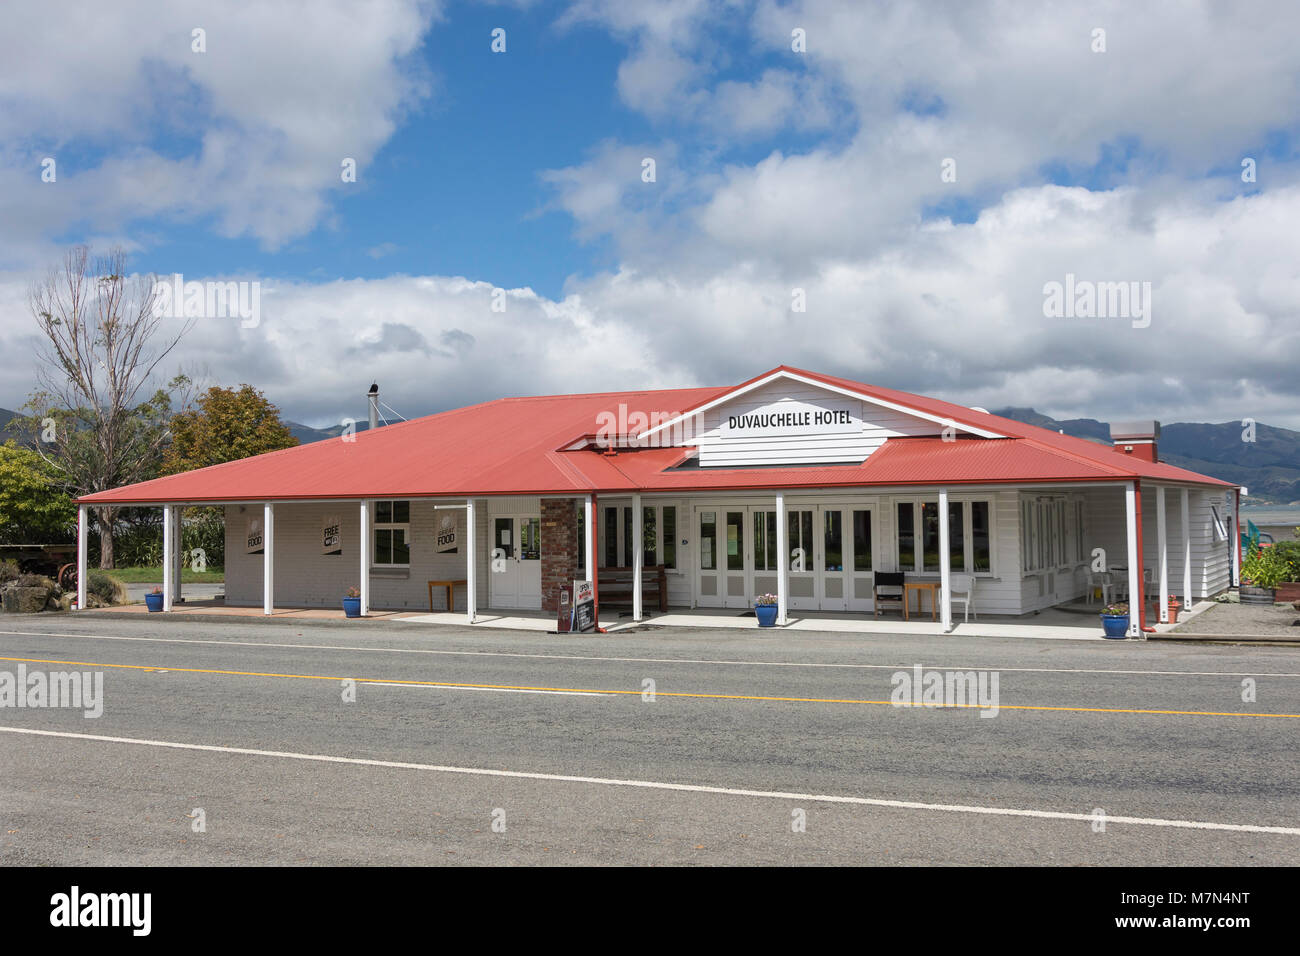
1115	625
766	614
352	607
153	601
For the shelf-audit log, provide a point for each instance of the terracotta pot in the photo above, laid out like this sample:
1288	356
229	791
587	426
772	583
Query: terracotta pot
1288	591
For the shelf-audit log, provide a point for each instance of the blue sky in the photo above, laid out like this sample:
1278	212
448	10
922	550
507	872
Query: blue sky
780	174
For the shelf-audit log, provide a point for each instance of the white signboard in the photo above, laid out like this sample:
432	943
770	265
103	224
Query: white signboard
446	537
331	537
790	417
253	536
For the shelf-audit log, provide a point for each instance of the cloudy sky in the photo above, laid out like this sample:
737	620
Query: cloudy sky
913	175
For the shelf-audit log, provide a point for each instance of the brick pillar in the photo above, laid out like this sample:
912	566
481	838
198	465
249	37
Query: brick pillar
559	548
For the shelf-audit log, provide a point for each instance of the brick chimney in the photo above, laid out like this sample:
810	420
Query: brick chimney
1136	438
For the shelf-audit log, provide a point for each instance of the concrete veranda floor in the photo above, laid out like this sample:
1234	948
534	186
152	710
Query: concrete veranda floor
1050	624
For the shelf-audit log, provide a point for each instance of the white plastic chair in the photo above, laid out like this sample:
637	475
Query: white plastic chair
1102	580
962	588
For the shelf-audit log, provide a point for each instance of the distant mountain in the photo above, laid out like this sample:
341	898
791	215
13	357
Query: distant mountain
306	434
7	433
1269	467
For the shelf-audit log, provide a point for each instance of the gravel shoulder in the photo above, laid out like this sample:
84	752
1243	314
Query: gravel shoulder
1279	620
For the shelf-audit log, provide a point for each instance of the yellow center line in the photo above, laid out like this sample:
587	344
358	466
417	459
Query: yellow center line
637	693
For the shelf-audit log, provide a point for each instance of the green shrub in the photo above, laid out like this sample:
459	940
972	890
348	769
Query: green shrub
9	571
1289	551
205	528
105	587
1264	568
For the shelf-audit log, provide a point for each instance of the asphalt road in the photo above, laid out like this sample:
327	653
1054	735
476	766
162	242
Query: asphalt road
748	733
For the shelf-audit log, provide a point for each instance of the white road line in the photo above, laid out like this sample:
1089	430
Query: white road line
496	690
679	787
930	659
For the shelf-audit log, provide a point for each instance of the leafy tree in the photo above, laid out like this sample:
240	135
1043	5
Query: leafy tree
33	509
227	424
94	419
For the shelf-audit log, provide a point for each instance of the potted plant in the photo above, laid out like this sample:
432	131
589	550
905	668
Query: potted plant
1174	606
1288	589
154	599
1114	620
352	603
765	608
1261	572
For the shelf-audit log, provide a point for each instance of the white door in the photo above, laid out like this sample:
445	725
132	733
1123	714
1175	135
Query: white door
736	558
710	577
725	557
860	557
801	557
515	562
832	544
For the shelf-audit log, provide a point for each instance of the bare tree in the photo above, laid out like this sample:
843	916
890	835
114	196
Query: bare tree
98	423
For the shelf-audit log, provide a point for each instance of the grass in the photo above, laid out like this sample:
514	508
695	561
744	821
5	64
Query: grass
154	575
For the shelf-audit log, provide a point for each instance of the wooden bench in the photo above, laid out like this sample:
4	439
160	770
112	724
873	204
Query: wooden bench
451	592
616	586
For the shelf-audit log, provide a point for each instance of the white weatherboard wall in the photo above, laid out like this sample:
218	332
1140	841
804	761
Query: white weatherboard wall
835	442
306	578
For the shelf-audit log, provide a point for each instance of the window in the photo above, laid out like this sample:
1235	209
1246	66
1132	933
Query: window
1220	531
862	540
906	538
956	536
979	523
735	540
1051	533
765	541
611	538
392	534
799	528
668	541
969	537
658	534
649	537
708	539
833	541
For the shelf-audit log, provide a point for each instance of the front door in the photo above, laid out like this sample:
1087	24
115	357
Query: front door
725	557
515	562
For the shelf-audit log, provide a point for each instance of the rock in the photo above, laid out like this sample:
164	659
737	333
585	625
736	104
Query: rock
25	600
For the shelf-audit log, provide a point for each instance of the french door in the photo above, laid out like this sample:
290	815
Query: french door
829	557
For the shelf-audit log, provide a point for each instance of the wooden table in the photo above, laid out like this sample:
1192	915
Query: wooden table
918	587
451	593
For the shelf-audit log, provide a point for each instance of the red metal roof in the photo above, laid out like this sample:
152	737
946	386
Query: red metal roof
513	446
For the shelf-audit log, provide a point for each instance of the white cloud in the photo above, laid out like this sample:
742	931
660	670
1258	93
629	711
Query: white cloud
954	311
252	131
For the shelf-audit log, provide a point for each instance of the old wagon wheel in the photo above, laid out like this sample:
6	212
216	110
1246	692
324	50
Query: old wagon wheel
67	577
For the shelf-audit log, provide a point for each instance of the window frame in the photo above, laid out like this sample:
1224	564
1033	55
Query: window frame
962	502
390	526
